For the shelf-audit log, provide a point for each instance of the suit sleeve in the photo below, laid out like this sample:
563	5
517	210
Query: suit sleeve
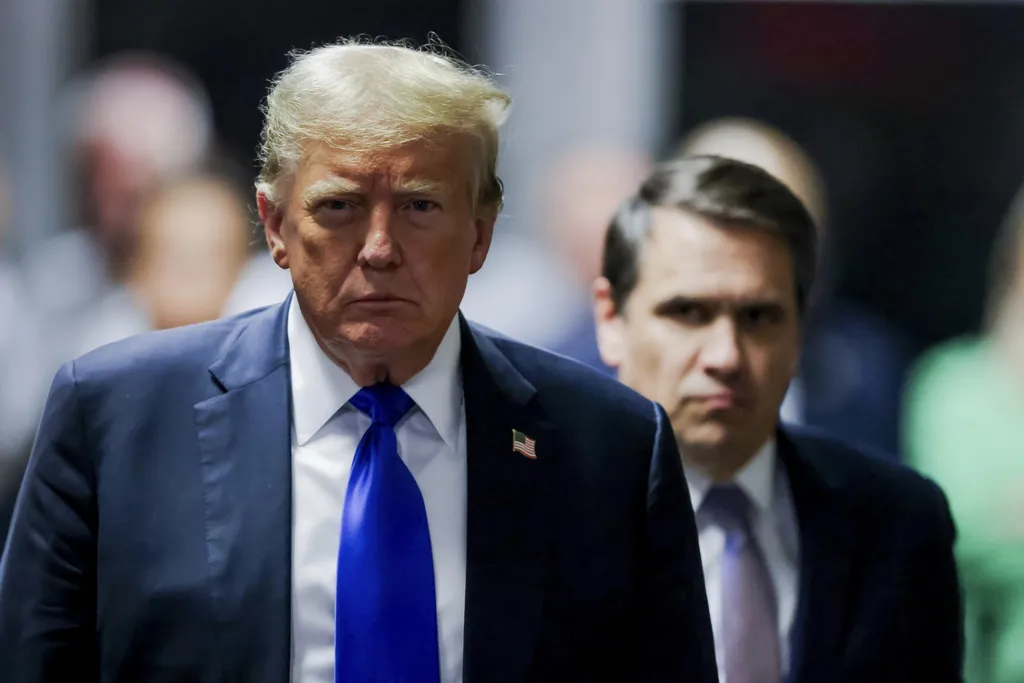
47	574
939	649
677	636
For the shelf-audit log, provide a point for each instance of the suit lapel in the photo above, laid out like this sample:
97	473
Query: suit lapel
244	443
507	514
829	540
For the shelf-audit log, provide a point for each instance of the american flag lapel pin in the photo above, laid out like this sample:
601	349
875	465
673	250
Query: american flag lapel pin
521	443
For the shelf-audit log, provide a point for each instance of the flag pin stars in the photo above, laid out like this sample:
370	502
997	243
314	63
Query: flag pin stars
521	443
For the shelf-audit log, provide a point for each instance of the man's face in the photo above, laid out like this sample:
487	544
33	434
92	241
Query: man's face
192	247
380	246
711	332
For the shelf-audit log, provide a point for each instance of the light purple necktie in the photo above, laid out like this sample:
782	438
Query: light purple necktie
750	636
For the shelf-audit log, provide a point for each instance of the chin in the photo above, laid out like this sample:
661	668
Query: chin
708	437
379	335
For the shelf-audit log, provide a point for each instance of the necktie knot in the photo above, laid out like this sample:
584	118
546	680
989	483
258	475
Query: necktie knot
384	402
731	508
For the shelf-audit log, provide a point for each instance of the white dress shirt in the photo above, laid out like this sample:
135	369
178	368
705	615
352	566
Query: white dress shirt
775	529
325	434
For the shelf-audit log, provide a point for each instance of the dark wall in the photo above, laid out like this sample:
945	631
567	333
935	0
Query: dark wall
912	112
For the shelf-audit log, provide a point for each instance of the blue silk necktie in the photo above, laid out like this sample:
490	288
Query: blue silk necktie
386	610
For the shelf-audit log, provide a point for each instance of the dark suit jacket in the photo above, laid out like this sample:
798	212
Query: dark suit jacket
152	536
879	595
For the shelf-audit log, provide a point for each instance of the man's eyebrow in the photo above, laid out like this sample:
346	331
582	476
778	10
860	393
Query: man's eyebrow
336	186
327	187
420	186
679	300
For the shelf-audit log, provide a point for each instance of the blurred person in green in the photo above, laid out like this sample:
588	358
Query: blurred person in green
964	428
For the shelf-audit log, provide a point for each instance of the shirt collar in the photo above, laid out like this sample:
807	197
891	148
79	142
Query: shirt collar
320	388
437	388
756	479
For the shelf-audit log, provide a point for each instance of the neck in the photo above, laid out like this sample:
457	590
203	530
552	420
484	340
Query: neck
719	464
369	368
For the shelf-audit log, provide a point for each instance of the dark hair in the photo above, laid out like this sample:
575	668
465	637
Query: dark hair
726	192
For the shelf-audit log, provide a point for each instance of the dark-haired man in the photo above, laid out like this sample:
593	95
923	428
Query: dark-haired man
821	564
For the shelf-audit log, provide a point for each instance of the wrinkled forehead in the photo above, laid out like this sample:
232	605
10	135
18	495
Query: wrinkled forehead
436	156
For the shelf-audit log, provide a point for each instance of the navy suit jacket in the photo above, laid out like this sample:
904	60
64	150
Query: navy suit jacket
152	535
879	594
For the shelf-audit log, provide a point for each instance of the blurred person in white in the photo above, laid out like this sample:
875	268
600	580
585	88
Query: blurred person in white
853	363
132	122
191	246
821	564
964	426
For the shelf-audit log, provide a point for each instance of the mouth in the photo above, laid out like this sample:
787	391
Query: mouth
720	401
379	299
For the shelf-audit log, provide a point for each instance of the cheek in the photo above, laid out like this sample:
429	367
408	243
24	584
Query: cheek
310	245
660	359
680	349
437	263
317	255
773	366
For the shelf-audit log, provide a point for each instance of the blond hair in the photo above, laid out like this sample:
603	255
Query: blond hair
372	96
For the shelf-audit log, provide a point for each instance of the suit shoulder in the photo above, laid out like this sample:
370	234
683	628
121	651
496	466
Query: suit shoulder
558	378
162	352
870	481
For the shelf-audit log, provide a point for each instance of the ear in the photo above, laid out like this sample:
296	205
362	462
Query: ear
611	328
273	220
483	225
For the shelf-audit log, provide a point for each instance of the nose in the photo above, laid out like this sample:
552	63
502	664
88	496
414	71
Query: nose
722	353
380	249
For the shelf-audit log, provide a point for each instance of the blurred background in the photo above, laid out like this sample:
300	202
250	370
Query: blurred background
128	132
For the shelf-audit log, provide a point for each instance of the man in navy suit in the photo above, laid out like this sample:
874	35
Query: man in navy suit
821	563
355	485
